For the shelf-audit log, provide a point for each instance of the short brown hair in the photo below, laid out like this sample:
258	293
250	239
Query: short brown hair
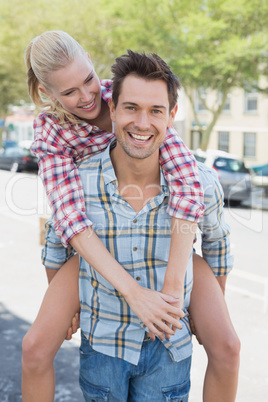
148	66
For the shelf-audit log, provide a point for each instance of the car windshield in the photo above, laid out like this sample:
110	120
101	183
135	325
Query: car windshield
261	170
230	165
199	158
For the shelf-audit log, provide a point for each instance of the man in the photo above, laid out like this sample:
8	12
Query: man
126	193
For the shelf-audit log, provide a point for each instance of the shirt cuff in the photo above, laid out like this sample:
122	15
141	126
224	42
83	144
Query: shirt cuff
73	224
185	208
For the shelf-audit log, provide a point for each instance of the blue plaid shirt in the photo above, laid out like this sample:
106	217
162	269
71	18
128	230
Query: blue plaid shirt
140	242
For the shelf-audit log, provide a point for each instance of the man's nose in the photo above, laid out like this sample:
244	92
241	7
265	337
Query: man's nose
143	121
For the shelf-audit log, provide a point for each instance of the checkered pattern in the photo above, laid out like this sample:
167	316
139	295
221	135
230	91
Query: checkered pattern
215	231
60	147
140	242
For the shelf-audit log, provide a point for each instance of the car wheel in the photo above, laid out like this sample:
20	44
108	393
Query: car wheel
14	167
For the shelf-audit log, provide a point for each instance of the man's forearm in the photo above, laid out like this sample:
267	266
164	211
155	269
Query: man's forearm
50	274
222	282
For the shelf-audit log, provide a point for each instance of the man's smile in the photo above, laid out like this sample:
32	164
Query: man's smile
140	138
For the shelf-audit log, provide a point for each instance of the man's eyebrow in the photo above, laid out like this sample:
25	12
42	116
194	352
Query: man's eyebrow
71	89
136	104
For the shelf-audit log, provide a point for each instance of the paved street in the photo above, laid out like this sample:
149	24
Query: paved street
23	283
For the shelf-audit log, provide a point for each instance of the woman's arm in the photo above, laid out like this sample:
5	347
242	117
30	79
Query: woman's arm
185	206
154	309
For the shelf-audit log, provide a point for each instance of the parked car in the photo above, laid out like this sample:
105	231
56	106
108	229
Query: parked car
260	175
17	159
233	175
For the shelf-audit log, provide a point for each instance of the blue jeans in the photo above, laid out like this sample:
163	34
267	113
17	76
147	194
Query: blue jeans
156	377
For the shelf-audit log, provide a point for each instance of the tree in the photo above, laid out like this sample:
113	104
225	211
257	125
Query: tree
212	44
21	21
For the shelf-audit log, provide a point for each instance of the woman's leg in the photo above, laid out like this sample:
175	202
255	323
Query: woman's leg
44	338
216	332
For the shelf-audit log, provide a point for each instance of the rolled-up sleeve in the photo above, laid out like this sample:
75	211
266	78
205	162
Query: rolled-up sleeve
181	172
59	173
215	230
54	255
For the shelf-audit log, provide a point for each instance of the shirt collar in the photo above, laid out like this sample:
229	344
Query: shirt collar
108	168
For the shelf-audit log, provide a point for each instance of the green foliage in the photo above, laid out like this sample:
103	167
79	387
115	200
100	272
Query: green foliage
216	44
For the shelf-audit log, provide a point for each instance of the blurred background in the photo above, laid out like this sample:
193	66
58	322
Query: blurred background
219	50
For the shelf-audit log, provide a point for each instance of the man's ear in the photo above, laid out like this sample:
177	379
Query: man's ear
172	116
112	109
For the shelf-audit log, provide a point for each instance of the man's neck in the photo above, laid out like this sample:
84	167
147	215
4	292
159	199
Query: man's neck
138	179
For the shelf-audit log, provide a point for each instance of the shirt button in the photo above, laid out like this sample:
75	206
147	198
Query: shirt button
135	220
143	326
138	278
135	249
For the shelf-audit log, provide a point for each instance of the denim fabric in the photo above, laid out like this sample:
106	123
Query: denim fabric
156	377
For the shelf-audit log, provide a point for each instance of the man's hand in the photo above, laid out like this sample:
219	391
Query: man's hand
193	329
74	327
156	310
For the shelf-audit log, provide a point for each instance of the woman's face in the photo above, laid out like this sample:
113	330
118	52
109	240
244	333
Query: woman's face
77	88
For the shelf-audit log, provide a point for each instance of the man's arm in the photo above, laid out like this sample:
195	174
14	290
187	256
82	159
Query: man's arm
215	231
222	282
50	274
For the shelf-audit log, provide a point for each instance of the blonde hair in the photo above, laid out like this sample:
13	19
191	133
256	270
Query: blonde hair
49	52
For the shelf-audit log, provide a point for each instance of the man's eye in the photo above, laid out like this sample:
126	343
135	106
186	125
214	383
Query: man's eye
130	108
156	111
89	79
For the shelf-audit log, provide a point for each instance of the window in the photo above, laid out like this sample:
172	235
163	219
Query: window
199	107
249	145
223	141
251	102
196	137
227	106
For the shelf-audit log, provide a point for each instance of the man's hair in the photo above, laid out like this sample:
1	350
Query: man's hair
148	66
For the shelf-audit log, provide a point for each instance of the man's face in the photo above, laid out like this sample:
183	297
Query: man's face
141	116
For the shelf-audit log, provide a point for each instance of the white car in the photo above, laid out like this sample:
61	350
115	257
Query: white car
234	177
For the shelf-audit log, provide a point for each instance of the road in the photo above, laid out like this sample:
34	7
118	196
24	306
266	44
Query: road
23	283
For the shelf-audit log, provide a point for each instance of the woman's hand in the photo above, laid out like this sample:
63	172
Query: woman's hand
156	310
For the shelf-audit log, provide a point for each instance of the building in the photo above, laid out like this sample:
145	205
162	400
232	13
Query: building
19	126
241	129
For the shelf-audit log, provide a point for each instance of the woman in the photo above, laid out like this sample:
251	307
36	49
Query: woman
77	123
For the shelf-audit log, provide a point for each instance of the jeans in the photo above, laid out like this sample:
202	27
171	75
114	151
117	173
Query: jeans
156	377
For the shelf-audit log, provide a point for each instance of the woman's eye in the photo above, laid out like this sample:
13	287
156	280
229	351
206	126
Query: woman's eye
68	93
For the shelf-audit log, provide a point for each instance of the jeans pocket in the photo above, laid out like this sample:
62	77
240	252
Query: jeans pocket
177	393
94	393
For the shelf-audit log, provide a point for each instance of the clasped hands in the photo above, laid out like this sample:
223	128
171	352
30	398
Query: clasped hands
159	312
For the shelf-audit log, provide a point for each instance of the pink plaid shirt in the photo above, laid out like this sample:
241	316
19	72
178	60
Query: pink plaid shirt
60	148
